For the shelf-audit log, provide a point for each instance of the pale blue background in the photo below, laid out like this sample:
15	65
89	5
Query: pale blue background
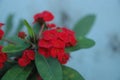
97	63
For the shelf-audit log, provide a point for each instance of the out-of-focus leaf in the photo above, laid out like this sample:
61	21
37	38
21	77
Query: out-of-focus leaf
19	45
71	74
13	48
48	69
83	26
82	43
29	28
17	73
9	25
36	28
7	66
19	27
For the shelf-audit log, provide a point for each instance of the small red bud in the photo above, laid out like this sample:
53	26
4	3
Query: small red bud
22	35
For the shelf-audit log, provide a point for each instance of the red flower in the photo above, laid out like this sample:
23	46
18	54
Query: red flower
1	24
22	35
1	34
30	54
49	34
24	61
63	58
44	51
44	16
26	58
51	25
70	36
57	43
3	58
54	41
44	43
56	51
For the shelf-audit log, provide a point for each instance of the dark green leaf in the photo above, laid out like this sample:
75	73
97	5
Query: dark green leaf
14	48
33	77
71	74
19	45
29	28
83	26
36	28
82	43
48	69
17	73
8	25
7	66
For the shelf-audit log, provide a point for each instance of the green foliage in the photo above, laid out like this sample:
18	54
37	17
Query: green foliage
19	45
13	48
83	26
48	69
8	25
20	26
7	66
36	28
82	43
17	73
71	74
29	28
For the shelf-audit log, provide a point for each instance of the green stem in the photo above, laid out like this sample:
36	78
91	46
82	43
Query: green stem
30	43
42	28
8	41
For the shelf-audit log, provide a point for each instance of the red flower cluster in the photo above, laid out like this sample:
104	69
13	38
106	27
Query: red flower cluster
27	57
3	58
1	31
54	42
44	16
22	35
1	34
51	25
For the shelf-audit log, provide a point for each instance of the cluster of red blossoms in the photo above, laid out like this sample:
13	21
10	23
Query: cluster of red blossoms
1	31
3	56
27	57
54	40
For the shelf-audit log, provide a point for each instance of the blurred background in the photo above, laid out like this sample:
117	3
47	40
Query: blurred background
102	62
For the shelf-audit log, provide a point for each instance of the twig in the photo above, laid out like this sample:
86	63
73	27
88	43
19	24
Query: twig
8	41
41	31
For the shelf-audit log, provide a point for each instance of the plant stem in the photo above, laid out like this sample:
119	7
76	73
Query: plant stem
41	31
8	41
30	43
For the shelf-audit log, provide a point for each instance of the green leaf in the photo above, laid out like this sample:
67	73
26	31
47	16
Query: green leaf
19	45
19	27
6	67
83	26
82	43
29	28
8	25
17	73
48	69
14	48
36	28
71	74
